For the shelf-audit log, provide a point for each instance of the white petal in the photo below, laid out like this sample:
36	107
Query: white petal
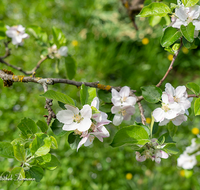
65	116
75	110
179	119
125	91
178	23
63	51
95	103
86	111
181	92
115	109
89	140
115	93
181	13
194	12
165	98
117	120
164	154
84	125
70	127
196	23
130	101
158	114
83	140
164	122
169	89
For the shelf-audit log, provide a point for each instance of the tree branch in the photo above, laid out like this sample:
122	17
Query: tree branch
142	113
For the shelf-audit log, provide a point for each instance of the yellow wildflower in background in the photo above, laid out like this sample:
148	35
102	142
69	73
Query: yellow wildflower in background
129	176
75	43
145	41
185	50
148	120
195	131
182	173
170	57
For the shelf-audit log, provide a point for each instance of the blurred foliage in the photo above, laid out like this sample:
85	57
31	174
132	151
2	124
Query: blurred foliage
102	39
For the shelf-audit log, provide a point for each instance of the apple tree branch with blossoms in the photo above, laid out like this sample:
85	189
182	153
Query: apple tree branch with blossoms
84	121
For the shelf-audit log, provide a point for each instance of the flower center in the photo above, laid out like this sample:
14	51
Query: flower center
123	112
190	19
176	99
77	118
165	107
123	99
77	132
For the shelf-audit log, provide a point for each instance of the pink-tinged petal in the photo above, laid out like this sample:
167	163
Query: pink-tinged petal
70	127
158	114
89	140
115	109
169	89
179	119
164	122
75	110
181	13
164	154
130	101
127	117
86	111
130	110
84	125
117	120
124	92
157	160
83	140
140	158
181	92
196	23
65	116
95	103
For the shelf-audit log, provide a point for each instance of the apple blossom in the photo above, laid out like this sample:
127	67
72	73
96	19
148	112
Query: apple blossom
185	15
58	53
17	33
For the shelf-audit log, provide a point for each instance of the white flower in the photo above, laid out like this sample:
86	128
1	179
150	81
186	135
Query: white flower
62	52
122	97
122	113
139	157
186	161
185	15
17	33
58	53
158	154
74	119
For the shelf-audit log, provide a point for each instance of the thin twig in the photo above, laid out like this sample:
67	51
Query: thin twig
142	113
171	65
193	95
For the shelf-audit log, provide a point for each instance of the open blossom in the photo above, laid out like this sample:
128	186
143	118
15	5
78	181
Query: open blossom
185	15
17	33
175	103
58	53
187	160
153	151
123	105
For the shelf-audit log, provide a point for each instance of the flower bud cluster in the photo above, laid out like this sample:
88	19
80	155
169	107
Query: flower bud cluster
188	160
58	53
123	105
153	151
88	122
175	104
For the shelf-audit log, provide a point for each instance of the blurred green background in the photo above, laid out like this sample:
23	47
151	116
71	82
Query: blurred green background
108	49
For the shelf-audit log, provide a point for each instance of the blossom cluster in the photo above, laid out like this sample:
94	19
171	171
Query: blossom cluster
175	104
185	15
88	122
123	105
153	151
188	160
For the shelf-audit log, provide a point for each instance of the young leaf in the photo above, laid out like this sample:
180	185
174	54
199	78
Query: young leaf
170	35
41	144
193	87
49	164
154	20
58	96
197	106
70	65
43	126
27	126
188	32
19	150
171	148
58	37
172	129
190	3
84	94
167	137
92	94
151	93
36	173
54	144
6	150
133	134
155	9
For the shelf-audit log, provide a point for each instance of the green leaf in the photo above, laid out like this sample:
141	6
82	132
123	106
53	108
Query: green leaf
193	87
19	150
92	94
105	96
151	93
190	3
36	173
42	125
40	145
54	143
176	47
56	127
167	137
17	175
155	9
154	20
84	94
197	106
170	50
58	37
133	134
73	140
2	30
27	126
48	161
172	129
106	108
171	148
6	150
170	35
58	96
71	66
188	32
187	44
